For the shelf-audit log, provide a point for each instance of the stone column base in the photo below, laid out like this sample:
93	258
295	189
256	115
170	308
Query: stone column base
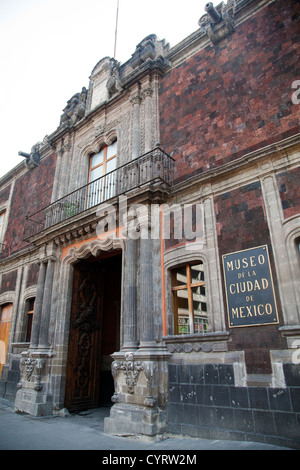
135	420
34	403
141	381
33	395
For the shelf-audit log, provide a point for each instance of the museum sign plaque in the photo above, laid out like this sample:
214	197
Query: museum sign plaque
249	288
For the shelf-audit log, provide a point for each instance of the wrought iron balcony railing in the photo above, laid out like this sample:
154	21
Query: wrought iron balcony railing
153	167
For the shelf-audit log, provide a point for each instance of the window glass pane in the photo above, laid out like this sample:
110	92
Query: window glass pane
197	273
97	159
111	165
200	324
180	277
199	309
96	173
112	150
182	311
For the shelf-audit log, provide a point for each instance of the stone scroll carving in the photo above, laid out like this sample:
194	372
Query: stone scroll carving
31	369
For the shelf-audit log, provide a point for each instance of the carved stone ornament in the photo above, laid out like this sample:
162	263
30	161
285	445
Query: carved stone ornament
31	368
33	158
75	109
113	84
218	22
131	370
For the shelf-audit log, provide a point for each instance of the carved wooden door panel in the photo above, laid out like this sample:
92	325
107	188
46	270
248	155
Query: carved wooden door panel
84	355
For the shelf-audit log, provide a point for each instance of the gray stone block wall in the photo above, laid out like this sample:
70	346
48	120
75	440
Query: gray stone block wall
8	387
205	403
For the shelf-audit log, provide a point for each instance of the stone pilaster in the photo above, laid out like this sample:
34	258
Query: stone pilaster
147	97
136	127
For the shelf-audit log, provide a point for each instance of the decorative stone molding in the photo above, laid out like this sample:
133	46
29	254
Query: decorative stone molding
93	247
210	342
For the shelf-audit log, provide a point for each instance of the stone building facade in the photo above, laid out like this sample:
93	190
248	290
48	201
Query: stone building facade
150	246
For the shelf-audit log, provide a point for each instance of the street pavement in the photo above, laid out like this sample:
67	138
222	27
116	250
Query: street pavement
84	431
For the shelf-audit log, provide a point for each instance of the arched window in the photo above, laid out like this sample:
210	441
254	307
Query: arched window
102	174
189	299
29	313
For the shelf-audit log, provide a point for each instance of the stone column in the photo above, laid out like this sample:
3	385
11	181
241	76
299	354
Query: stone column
146	288
35	333
46	307
130	295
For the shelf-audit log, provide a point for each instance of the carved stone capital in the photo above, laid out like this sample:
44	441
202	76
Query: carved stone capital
148	92
135	100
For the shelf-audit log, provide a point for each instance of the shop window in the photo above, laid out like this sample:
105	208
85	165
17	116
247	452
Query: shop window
189	299
29	312
102	175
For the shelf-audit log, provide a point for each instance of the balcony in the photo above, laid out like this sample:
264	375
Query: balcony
154	167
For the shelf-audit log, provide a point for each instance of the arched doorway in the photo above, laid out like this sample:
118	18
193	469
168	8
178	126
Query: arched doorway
94	331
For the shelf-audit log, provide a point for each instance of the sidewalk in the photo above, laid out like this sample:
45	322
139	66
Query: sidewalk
85	432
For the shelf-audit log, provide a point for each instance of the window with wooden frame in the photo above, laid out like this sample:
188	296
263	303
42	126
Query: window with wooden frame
29	312
102	175
189	299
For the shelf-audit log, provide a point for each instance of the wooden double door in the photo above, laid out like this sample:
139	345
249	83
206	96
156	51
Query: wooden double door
94	332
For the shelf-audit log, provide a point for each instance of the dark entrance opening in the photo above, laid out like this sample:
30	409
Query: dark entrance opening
94	331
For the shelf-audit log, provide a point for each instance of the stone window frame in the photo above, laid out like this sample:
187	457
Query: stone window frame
177	257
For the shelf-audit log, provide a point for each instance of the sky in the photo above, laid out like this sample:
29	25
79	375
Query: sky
48	49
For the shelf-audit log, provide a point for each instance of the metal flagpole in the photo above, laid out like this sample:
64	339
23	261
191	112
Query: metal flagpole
116	32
